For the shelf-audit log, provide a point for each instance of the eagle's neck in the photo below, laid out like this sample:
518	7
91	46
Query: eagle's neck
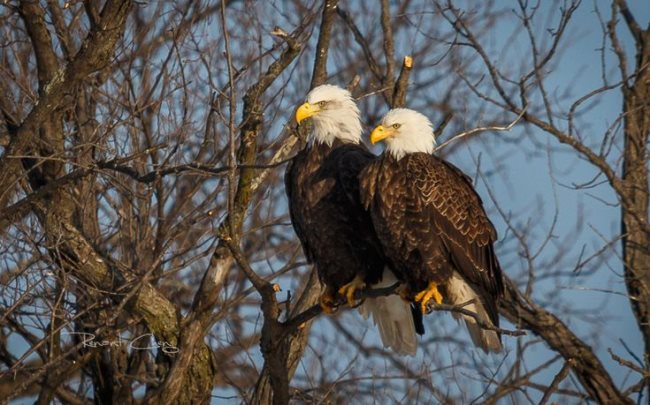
412	142
324	148
330	138
345	126
391	159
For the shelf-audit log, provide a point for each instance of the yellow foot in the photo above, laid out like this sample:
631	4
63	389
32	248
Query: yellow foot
424	296
328	302
351	288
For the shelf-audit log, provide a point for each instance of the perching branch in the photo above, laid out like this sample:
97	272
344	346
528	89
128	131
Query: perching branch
361	295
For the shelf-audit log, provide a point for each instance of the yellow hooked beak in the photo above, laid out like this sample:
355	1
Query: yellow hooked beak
380	133
305	111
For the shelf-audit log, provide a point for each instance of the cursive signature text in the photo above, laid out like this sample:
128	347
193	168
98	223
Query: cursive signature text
142	342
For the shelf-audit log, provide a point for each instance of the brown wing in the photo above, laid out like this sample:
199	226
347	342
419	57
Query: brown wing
446	198
409	241
294	202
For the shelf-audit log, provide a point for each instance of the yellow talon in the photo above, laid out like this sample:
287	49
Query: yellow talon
327	302
424	296
351	288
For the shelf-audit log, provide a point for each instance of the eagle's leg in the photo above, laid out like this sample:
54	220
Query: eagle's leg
327	301
424	296
351	288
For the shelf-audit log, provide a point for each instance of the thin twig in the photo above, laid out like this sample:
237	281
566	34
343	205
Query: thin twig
232	150
559	377
473	131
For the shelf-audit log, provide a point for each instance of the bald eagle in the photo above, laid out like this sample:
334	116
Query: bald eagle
336	233
432	224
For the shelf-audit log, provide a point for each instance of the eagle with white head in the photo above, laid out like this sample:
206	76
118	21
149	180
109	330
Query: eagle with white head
432	225
336	233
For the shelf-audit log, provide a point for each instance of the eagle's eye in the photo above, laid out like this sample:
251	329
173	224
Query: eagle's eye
322	104
396	126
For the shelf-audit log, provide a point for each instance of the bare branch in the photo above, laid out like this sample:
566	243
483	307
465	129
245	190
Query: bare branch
498	128
319	76
559	377
586	366
634	27
361	41
389	51
399	94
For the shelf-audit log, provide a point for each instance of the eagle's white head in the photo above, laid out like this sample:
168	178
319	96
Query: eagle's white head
335	115
405	131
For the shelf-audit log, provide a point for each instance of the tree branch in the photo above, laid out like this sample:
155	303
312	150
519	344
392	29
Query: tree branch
634	27
389	51
401	87
319	75
198	319
584	363
361	41
497	128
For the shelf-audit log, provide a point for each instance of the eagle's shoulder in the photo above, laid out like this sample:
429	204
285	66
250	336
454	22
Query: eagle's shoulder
350	160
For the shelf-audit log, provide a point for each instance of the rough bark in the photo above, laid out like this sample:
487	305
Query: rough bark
635	211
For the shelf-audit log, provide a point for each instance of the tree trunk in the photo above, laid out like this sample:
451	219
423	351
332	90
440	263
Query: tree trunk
634	221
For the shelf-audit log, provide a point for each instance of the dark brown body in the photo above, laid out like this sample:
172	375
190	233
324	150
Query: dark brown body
335	231
431	223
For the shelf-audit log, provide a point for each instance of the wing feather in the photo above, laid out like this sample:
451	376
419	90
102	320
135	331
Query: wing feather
294	211
446	197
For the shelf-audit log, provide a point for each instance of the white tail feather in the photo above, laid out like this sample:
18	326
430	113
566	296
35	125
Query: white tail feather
460	293
393	318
